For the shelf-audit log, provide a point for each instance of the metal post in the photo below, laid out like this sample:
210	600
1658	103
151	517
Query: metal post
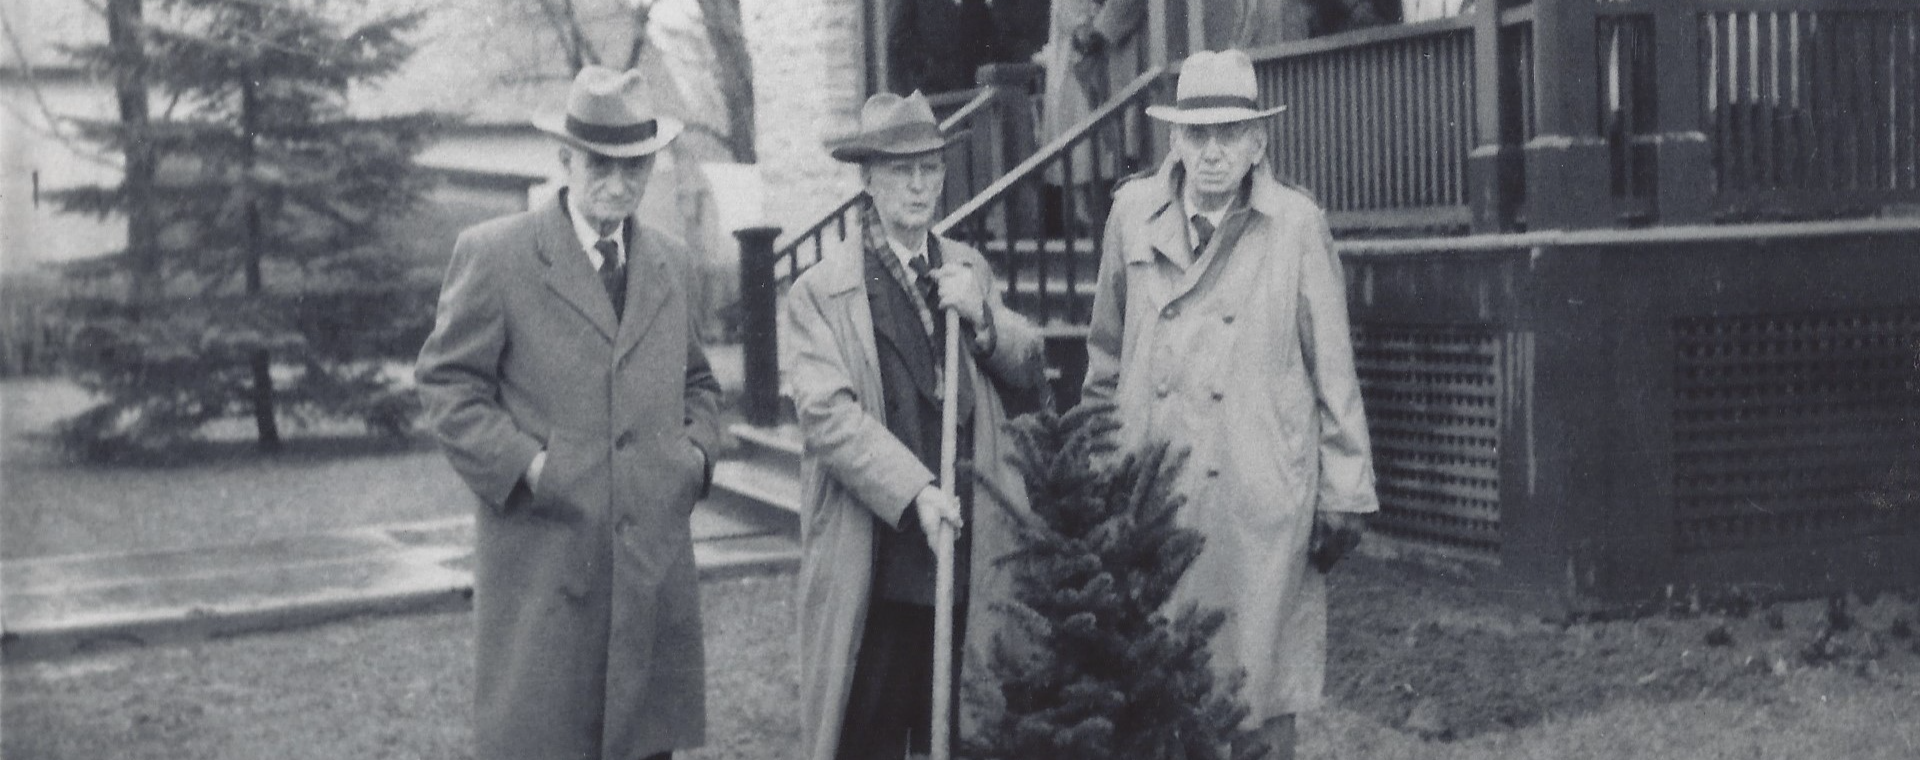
760	398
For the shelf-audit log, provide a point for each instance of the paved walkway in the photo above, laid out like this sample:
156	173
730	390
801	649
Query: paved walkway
59	605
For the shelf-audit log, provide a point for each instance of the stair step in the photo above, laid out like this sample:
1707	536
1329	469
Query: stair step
760	479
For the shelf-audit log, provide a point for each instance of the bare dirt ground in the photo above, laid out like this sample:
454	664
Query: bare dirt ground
1421	666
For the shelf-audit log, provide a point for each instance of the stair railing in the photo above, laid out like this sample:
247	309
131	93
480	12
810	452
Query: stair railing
1040	224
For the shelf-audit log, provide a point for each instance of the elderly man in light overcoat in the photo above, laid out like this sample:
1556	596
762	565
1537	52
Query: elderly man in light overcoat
566	385
863	355
1220	325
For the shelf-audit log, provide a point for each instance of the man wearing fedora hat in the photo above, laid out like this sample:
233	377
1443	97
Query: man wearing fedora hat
1220	325
863	353
566	385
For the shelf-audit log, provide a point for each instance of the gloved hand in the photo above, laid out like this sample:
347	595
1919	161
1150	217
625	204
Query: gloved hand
1088	42
1334	534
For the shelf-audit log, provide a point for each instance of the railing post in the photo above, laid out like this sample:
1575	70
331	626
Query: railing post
1012	141
760	397
1496	166
1567	170
1684	193
1013	86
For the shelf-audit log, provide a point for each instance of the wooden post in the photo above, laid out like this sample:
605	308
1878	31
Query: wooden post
1495	168
760	398
1007	136
1566	161
1683	158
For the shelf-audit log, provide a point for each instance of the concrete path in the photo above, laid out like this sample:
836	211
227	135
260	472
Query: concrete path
61	605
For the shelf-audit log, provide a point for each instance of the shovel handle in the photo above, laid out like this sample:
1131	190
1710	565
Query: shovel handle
940	739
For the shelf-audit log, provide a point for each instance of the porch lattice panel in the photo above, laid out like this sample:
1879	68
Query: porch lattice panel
1795	427
1432	396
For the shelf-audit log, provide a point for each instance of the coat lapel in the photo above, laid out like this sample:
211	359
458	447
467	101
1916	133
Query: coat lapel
1168	231
648	290
899	331
569	274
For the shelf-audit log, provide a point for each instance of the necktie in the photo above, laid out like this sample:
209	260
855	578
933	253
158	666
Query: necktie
929	293
1203	233
613	275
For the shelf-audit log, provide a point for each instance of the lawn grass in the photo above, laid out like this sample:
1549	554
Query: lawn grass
220	492
398	688
391	688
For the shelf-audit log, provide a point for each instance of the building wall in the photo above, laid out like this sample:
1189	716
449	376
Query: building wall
809	85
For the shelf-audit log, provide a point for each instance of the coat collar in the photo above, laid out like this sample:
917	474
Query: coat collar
1167	225
570	275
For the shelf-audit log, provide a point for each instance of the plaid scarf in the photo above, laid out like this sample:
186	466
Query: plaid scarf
874	238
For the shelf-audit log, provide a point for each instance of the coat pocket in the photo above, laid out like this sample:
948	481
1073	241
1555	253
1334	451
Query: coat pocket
693	475
556	498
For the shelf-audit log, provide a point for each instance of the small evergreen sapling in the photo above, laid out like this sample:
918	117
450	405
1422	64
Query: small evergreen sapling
1090	666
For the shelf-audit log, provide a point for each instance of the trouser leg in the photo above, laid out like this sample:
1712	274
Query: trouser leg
890	703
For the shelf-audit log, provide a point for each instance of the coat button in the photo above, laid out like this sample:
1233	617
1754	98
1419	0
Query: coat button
1163	390
1219	395
1227	319
625	440
624	526
1213	472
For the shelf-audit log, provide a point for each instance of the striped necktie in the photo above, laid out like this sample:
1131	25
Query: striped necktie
613	275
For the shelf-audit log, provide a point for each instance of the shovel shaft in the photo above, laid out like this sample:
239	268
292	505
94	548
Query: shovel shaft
940	737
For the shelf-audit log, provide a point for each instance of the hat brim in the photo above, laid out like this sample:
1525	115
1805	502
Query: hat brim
856	150
665	130
1227	115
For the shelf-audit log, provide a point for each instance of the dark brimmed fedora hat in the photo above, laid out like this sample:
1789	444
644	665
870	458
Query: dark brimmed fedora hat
1214	88
891	125
607	115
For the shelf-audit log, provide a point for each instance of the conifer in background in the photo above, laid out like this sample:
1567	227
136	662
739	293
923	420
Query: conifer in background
1090	665
255	281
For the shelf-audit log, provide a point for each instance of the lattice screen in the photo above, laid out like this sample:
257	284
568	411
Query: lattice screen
1433	410
1795	427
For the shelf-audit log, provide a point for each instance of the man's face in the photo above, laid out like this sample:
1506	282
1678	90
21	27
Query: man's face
1218	156
605	189
906	189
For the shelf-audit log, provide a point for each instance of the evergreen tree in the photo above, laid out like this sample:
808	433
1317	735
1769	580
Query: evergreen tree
1090	665
256	280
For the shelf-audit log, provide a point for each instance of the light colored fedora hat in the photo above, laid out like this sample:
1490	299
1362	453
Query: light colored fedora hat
606	115
1214	88
891	125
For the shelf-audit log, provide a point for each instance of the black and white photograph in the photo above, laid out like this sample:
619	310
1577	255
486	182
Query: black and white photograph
960	379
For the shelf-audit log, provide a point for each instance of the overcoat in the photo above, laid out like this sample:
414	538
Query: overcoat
1242	357
586	603
854	469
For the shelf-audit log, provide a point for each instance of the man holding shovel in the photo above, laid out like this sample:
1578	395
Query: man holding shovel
863	356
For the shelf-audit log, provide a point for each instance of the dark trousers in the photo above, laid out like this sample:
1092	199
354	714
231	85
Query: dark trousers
890	706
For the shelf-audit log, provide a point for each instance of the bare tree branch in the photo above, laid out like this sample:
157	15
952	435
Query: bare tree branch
54	121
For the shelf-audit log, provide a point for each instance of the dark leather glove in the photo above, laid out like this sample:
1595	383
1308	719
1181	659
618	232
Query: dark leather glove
1334	534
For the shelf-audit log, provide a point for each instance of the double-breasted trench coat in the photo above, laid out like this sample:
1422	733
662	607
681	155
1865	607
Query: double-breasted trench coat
854	469
1243	357
586	603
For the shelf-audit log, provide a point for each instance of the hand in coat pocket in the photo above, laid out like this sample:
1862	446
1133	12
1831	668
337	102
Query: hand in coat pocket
543	500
